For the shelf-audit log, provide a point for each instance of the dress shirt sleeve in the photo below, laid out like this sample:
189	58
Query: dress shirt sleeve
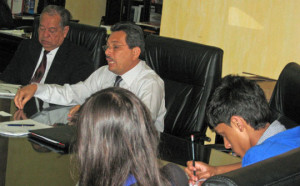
69	94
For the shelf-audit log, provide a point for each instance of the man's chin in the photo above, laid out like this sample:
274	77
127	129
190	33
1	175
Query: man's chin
46	45
111	68
48	48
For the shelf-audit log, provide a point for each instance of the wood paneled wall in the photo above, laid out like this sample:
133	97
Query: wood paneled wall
257	36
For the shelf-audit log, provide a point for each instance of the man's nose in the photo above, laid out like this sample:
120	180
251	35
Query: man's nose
46	33
108	51
227	145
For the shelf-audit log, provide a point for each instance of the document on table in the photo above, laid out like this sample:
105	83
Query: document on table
8	90
5	114
20	127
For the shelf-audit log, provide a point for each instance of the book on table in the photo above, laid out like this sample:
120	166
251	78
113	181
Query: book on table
62	137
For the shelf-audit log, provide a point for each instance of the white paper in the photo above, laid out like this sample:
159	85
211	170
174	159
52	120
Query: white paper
9	90
20	130
4	114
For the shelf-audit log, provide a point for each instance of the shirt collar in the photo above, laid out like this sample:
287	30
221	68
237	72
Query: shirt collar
52	52
273	129
131	75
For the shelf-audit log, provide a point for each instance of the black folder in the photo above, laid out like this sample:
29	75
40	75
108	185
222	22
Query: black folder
62	137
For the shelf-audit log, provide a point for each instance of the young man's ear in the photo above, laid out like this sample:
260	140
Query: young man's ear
238	122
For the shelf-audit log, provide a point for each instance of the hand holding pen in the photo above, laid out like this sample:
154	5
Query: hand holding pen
193	165
193	153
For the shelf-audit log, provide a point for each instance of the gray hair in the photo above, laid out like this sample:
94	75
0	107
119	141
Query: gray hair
61	11
134	34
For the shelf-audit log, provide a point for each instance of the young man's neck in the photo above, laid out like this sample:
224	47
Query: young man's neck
256	134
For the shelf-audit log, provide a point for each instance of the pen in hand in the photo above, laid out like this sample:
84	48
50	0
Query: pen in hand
193	152
20	125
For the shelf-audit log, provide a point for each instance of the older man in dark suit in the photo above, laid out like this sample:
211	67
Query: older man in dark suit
53	59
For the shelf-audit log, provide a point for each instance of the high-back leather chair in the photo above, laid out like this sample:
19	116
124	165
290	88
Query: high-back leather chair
281	170
285	100
90	37
190	72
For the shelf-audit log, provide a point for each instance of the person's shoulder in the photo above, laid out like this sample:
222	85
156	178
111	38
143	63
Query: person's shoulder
29	45
30	42
275	145
73	50
102	71
101	74
73	46
256	153
289	133
148	79
103	68
148	72
295	129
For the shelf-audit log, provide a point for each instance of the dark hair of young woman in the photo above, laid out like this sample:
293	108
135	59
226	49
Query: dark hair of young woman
117	139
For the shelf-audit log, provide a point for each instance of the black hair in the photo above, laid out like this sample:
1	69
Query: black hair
134	34
238	96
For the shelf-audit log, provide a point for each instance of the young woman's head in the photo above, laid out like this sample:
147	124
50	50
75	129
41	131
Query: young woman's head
116	138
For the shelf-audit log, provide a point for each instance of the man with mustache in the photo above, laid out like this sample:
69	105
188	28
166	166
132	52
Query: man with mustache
124	69
51	58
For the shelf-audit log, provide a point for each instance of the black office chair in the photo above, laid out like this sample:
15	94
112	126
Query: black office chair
285	100
90	37
287	172
190	72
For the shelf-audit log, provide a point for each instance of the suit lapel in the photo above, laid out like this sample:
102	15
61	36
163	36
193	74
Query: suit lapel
58	61
33	57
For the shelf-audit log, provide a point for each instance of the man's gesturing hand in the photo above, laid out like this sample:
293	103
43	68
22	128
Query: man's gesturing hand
24	94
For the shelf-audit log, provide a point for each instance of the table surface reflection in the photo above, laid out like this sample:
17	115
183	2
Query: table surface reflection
26	163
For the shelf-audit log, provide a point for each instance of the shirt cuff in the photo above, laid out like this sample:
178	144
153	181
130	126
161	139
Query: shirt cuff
40	89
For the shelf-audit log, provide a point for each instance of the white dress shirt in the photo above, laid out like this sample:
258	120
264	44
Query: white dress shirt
141	80
50	57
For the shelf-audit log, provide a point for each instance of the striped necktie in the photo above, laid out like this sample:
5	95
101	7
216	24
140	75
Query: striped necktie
40	71
118	80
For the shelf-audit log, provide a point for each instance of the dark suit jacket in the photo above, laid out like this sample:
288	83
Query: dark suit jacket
71	64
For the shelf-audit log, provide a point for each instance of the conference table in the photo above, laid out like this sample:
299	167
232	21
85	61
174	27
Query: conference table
23	162
26	163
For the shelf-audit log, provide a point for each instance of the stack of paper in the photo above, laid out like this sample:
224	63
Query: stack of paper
20	127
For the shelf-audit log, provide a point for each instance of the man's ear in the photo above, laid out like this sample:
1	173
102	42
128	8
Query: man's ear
136	52
65	31
238	122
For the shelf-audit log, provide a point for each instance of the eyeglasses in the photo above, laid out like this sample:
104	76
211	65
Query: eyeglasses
113	47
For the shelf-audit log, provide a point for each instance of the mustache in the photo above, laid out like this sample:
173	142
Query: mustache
108	57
